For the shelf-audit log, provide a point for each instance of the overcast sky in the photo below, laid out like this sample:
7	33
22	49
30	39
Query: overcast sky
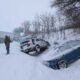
14	12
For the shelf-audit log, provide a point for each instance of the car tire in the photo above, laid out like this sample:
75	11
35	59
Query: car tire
38	49
27	52
62	64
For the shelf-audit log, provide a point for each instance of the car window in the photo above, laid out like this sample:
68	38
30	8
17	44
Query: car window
68	45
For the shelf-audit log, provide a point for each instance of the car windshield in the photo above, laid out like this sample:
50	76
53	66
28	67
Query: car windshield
68	45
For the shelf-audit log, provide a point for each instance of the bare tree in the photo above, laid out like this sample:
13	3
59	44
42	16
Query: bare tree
36	25
47	22
26	25
71	9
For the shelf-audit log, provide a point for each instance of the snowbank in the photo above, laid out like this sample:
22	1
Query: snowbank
20	66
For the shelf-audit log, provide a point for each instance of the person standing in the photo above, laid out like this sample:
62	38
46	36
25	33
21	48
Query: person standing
7	42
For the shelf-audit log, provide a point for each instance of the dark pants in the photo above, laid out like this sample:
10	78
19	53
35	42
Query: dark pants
7	48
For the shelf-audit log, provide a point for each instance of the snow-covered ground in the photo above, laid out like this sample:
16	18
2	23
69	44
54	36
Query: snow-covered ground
20	66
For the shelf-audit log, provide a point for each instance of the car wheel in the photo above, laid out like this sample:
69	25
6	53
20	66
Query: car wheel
62	64
27	52
38	49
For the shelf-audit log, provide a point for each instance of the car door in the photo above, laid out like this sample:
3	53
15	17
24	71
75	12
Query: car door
40	42
72	56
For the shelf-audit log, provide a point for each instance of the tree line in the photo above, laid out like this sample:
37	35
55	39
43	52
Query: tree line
68	15
42	24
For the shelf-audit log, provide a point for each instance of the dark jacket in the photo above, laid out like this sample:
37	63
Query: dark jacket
7	40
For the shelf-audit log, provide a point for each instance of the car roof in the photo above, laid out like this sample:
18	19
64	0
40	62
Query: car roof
68	45
26	38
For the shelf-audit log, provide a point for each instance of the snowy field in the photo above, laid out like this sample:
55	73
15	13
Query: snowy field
20	66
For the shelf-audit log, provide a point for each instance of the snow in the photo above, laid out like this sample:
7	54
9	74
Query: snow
20	66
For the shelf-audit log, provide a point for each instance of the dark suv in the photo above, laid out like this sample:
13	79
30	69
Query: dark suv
33	44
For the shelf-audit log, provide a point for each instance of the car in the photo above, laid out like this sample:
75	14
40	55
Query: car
64	55
33	44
